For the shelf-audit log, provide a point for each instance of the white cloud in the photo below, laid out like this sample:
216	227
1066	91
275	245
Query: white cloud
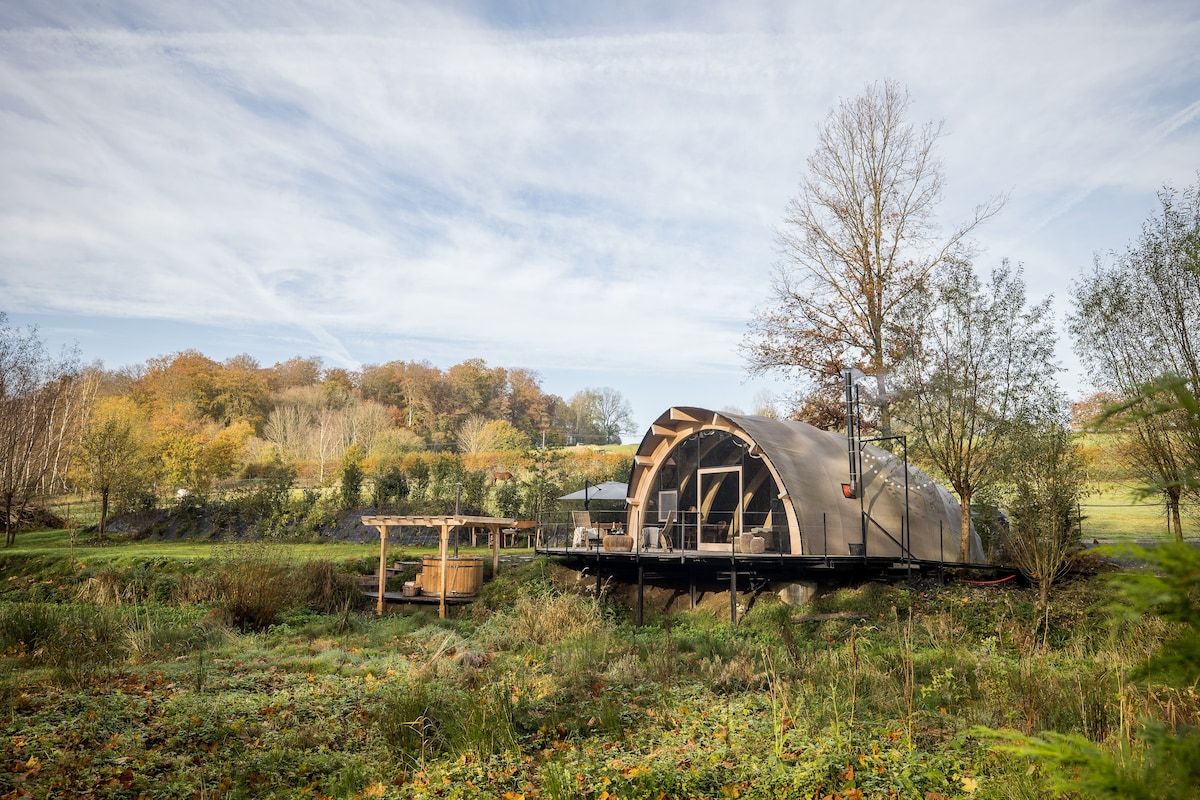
409	182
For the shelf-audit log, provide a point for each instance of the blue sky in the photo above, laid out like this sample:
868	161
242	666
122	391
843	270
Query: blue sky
589	190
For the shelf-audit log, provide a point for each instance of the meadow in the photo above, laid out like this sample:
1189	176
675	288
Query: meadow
185	668
210	670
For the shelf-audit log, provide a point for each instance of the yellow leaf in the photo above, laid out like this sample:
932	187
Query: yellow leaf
969	785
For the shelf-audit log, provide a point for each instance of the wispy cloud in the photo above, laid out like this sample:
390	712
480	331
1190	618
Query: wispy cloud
410	182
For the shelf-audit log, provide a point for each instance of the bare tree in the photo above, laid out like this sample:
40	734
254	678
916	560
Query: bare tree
600	416
473	435
978	366
858	241
364	422
67	421
287	428
766	404
34	388
1136	320
614	415
325	438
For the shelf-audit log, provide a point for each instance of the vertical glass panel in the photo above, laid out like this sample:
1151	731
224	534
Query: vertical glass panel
668	501
719	507
719	491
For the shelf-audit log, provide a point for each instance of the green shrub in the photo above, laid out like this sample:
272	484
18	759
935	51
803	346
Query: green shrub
320	512
163	589
352	477
390	489
254	588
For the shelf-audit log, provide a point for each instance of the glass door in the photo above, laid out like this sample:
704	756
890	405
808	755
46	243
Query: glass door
718	507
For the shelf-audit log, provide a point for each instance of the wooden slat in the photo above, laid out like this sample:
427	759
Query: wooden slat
452	520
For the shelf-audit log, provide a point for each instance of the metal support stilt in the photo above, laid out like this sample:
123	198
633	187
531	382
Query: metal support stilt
733	594
641	594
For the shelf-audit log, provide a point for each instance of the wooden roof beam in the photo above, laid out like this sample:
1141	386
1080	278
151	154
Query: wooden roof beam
679	415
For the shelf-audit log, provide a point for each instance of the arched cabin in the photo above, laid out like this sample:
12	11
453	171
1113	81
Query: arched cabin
711	483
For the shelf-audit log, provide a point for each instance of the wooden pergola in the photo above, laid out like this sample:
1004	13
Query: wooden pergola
445	523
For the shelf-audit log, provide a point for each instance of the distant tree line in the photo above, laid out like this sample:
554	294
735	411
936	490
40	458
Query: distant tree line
185	425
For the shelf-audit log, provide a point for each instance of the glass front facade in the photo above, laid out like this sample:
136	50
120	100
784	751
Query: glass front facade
718	491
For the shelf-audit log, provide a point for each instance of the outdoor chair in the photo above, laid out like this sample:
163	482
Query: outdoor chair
586	534
664	535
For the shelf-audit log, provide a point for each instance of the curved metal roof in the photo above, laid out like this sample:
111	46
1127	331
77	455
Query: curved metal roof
809	466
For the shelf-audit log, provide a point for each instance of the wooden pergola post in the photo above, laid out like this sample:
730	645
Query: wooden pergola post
382	568
444	552
445	524
496	534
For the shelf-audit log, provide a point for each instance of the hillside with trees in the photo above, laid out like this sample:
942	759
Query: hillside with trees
185	428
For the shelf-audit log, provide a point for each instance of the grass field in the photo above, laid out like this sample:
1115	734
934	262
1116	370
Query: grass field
119	551
1115	512
1114	509
539	690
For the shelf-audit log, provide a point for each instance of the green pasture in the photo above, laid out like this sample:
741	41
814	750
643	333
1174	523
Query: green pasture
119	551
1117	512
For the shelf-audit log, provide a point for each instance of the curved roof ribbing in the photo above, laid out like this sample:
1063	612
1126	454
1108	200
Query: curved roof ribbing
808	467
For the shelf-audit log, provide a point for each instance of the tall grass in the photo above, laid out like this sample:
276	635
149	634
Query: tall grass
541	615
76	642
251	586
430	717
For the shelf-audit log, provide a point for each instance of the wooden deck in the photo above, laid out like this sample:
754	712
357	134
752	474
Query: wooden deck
421	599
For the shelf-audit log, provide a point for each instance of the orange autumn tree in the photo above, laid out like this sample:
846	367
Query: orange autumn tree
193	405
115	457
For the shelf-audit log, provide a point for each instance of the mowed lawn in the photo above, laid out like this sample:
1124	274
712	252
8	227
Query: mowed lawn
86	550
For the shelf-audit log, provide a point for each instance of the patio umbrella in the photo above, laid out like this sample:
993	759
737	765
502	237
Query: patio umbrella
609	490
